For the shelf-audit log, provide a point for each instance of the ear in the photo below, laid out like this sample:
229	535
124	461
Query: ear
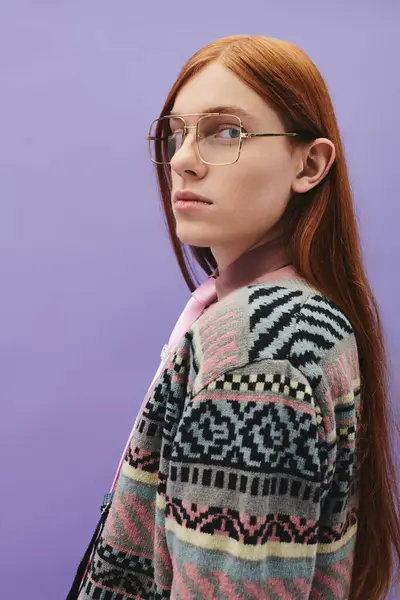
314	164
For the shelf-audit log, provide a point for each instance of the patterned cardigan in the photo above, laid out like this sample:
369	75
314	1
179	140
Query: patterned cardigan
240	481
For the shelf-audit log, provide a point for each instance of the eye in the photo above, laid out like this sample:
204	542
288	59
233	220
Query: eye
228	132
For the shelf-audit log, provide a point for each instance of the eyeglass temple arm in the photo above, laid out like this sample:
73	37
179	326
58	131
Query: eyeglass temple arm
244	135
248	135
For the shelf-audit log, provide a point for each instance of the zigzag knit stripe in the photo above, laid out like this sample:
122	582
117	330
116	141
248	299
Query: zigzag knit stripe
272	312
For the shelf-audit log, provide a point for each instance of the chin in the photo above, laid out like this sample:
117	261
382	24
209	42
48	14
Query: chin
195	236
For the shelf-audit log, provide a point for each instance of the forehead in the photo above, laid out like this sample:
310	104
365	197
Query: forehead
216	86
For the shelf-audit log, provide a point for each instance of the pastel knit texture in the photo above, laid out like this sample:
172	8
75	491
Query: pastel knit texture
240	481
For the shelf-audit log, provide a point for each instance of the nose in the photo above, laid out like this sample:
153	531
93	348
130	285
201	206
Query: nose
187	157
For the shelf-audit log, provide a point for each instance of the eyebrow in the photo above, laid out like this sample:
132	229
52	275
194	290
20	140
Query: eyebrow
220	108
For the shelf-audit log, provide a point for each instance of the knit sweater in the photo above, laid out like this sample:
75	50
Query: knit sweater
240	480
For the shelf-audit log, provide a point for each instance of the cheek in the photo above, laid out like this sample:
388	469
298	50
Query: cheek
261	184
174	181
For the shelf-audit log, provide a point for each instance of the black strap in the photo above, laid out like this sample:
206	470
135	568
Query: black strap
78	581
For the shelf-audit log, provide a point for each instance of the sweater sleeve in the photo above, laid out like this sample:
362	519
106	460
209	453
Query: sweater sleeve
261	502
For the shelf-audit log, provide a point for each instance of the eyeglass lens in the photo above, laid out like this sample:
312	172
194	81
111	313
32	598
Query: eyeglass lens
218	138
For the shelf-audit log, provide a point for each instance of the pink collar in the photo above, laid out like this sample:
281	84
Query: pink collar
258	265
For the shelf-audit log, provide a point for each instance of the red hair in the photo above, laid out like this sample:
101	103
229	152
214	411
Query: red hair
322	234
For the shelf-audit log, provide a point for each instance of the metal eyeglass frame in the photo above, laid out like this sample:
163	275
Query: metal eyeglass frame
202	115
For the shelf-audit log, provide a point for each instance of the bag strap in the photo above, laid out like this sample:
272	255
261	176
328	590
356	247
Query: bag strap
83	566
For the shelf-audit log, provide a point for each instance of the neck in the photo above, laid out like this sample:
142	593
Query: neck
272	253
265	262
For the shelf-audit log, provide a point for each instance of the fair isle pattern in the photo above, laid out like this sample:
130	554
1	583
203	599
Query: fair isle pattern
240	481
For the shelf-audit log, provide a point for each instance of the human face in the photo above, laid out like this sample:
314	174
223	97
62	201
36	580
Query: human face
247	198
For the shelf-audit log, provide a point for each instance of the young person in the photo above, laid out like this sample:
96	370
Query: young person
260	463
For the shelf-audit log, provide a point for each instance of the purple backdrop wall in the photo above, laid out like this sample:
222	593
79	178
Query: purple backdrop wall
90	289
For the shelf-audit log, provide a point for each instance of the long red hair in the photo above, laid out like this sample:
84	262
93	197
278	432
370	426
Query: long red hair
322	233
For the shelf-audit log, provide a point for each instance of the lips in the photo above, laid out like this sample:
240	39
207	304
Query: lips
187	196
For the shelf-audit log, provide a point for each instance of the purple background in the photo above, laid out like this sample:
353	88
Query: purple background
90	288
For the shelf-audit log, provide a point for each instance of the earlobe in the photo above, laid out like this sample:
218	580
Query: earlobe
317	161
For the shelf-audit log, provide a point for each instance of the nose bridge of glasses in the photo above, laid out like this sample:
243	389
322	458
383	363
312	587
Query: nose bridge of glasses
186	129
182	143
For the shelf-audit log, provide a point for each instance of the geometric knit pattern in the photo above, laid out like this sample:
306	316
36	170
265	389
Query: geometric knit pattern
241	477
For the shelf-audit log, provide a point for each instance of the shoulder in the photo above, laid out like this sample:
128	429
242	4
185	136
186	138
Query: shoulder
284	321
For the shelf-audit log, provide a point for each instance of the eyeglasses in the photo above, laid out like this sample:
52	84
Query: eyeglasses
219	138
